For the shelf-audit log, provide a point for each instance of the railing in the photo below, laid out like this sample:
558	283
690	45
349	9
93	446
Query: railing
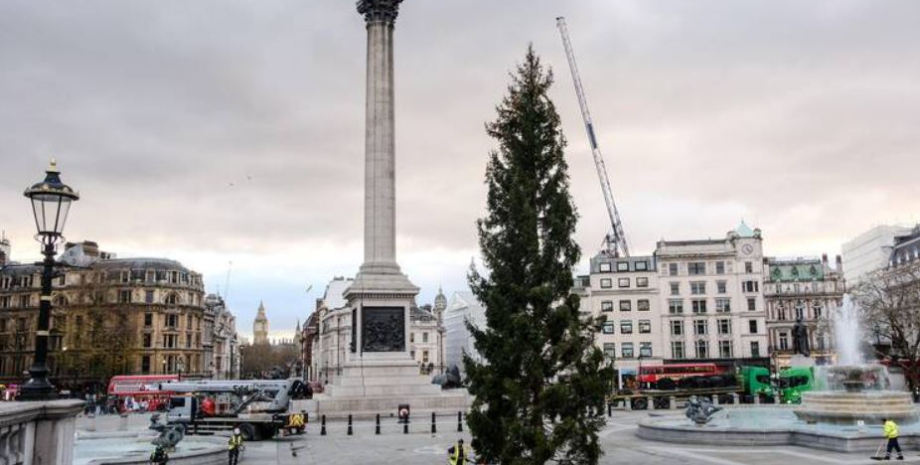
13	443
19	442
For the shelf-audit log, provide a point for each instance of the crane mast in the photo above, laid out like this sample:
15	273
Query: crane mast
615	240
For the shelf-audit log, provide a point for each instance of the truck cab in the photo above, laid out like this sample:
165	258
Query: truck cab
794	381
755	382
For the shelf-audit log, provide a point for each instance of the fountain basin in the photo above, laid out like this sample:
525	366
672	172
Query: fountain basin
747	426
848	408
134	448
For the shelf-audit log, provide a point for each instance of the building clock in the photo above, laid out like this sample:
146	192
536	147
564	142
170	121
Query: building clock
747	249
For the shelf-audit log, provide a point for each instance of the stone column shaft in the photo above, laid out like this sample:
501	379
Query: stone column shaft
380	150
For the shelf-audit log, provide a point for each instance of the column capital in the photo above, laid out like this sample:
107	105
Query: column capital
379	10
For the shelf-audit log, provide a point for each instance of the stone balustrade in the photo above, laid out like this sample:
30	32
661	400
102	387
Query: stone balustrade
38	432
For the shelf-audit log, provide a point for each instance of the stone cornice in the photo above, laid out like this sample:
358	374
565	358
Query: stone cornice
384	11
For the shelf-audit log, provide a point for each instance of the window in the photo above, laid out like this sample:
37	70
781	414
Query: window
721	287
725	326
725	349
677	350
645	326
625	305
622	266
412	338
172	321
675	306
188	321
672	269
172	299
752	304
607	306
425	337
169	341
723	305
148	341
641	266
626	327
752	325
25	300
124	277
700	327
783	341
124	297
698	288
643	305
148	319
755	349
799	310
188	340
627	350
145	364
610	350
3	325
645	349
677	328
605	267
608	327
5	301
623	282
816	310
641	282
698	305
750	286
675	288
696	268
606	283
720	267
702	348
148	297
748	267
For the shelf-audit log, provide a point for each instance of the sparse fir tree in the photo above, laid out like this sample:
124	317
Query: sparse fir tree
540	388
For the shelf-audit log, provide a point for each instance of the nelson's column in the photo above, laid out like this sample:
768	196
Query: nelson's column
379	373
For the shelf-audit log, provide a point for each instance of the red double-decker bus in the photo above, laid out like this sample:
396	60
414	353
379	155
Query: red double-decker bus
141	388
653	373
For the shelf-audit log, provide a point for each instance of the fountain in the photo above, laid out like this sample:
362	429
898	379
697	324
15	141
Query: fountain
855	391
844	413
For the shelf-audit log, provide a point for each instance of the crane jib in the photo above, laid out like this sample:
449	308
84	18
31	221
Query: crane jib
591	136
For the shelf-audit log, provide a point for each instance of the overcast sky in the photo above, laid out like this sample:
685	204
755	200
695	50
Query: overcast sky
231	130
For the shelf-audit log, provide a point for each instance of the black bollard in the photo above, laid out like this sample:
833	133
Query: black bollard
406	427
377	429
434	426
322	430
459	422
306	417
349	425
609	410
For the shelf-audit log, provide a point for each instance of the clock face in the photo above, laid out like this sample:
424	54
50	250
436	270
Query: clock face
747	249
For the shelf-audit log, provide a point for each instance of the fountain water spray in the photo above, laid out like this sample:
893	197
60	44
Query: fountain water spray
848	334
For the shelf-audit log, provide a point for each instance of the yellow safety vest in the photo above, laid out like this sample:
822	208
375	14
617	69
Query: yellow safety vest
236	441
455	457
891	429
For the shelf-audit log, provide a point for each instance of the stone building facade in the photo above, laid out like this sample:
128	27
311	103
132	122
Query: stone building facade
712	298
625	292
806	288
220	341
110	316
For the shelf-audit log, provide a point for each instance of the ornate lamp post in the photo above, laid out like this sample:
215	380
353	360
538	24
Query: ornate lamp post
51	201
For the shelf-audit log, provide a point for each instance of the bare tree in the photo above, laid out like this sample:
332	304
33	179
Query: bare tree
890	299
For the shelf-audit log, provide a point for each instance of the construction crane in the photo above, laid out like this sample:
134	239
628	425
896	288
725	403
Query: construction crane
615	240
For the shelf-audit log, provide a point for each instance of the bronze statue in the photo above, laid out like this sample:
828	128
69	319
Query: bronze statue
800	338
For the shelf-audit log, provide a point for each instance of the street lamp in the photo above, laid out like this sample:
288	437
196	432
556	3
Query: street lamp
51	201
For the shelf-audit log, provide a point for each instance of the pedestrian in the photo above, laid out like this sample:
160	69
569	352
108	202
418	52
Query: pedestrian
891	433
236	446
457	454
